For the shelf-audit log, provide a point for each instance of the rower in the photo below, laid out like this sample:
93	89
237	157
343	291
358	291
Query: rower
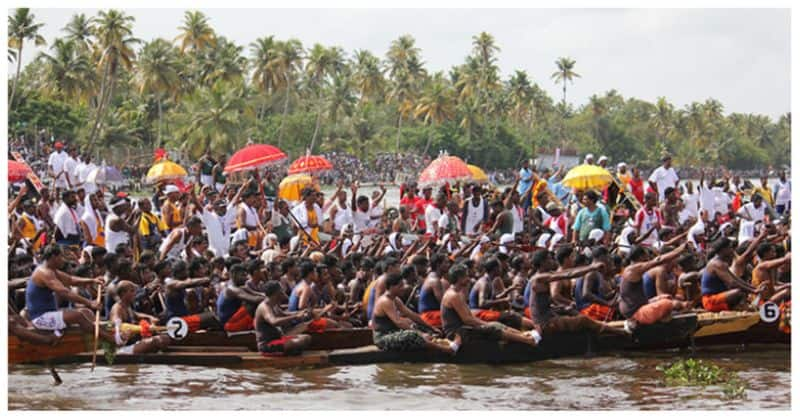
432	290
270	319
765	273
378	287
540	305
47	282
722	290
634	305
122	312
304	297
593	296
236	304
483	298
458	319
175	295
660	280
561	291
393	323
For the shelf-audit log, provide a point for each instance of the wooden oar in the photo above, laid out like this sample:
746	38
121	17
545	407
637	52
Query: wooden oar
96	326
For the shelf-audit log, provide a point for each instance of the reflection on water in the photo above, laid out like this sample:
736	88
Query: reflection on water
608	382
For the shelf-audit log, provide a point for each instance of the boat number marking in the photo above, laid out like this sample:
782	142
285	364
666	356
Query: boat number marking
177	328
769	312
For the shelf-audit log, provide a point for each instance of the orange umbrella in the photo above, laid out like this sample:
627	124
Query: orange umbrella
254	156
310	164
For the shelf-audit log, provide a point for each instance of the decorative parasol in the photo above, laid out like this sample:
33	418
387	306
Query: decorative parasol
291	186
17	172
105	175
165	170
254	156
478	175
310	164
587	176
444	169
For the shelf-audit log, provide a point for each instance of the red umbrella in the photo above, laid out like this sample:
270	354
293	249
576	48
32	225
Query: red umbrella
443	169
310	164
17	172
254	156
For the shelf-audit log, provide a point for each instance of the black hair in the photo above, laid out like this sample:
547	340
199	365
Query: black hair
161	265
563	253
51	252
367	263
763	249
98	252
195	265
306	267
287	264
491	265
419	260
719	245
516	262
271	287
193	221
146	256
231	260
591	195
109	260
599	252
331	261
178	266
538	258
408	271
456	272
636	253
237	269
393	279
83	270
253	265
436	260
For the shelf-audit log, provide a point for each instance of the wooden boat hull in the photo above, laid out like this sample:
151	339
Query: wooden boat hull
328	340
73	342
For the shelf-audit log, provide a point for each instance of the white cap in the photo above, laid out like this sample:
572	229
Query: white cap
507	238
171	188
602	158
596	234
589	156
485	239
621	164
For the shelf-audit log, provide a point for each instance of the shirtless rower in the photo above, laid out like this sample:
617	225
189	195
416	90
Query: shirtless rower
237	303
48	282
270	320
722	290
122	312
594	298
175	294
378	287
485	301
393	323
765	273
304	297
634	305
432	290
540	308
456	315
661	280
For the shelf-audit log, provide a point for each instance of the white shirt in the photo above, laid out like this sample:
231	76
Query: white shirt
444	220
706	199
692	202
663	178
519	225
56	161
343	216
750	211
432	215
66	220
784	194
114	238
301	214
721	200
69	168
360	221
218	231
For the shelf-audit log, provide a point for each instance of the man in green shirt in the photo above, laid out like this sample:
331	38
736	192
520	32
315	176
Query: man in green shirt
590	217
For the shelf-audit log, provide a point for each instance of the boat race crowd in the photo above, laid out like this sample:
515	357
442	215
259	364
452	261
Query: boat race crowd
248	241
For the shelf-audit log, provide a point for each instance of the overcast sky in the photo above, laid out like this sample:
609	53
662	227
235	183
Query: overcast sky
738	56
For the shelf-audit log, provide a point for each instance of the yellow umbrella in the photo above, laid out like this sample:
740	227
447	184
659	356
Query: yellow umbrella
478	175
165	170
291	186
587	176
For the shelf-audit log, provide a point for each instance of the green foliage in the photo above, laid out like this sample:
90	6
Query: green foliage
697	373
201	90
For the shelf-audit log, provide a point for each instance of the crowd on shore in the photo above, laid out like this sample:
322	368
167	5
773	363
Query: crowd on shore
517	263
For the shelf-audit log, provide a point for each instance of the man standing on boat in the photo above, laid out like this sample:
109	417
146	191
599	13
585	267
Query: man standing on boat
47	282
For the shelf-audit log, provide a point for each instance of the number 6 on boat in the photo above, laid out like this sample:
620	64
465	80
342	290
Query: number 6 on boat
769	312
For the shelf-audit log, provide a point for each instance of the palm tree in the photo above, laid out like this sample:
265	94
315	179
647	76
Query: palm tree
157	73
405	68
288	59
598	109
368	75
79	29
196	34
21	28
213	118
341	97
264	76
564	73
662	119
114	47
68	73
484	46
519	92
223	61
435	105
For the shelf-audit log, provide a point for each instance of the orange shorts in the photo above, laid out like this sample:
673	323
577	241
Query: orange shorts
432	317
528	313
318	326
598	312
240	321
488	315
715	302
193	322
653	312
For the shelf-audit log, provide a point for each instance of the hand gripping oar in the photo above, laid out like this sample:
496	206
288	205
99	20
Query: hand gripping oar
96	326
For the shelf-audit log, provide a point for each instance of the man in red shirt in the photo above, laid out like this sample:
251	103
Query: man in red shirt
636	185
415	205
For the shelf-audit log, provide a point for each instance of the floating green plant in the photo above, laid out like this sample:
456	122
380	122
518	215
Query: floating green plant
692	372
